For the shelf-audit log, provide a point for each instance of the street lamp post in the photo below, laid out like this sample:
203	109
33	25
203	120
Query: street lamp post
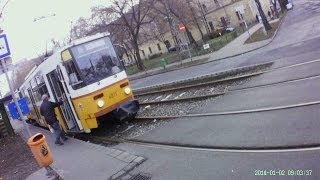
42	18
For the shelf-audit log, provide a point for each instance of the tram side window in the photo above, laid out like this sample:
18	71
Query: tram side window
27	95
74	77
38	89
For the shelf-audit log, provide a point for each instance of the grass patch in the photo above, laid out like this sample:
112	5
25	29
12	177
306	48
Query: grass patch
154	63
259	35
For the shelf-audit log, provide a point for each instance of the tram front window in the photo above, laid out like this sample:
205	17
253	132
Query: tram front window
96	60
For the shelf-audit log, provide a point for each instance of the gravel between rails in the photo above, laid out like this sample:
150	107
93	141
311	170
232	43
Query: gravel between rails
201	79
177	108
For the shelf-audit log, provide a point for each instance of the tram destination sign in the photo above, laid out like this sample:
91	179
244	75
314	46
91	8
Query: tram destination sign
4	47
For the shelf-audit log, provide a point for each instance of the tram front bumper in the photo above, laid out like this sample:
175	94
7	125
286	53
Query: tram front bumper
127	111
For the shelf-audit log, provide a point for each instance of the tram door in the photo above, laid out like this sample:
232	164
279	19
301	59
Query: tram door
59	93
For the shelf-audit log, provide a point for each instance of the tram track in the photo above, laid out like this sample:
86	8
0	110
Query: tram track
191	147
227	149
196	98
166	89
231	91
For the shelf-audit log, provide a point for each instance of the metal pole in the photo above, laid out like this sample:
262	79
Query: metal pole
245	24
187	42
14	97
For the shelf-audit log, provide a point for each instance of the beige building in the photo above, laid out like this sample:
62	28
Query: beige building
217	14
233	13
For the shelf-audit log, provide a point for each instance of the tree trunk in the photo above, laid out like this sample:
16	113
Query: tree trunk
263	16
196	20
283	4
275	8
191	38
137	54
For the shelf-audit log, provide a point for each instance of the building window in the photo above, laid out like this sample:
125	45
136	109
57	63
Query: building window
239	15
211	26
223	21
159	47
150	50
143	53
204	7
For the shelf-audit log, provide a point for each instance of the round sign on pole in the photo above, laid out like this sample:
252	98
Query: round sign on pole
182	28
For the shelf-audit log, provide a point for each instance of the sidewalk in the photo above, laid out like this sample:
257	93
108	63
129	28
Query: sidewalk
234	48
82	160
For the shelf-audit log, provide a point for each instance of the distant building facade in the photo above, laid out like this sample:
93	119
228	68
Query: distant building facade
216	14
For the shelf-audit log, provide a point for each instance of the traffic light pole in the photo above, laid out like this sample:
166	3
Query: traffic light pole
4	66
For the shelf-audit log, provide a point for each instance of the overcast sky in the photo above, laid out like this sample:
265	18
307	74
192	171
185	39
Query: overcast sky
28	38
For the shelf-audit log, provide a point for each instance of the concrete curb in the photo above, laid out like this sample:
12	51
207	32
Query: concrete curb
174	68
133	164
216	75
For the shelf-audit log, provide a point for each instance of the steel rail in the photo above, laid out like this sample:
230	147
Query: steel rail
248	110
189	147
201	84
230	91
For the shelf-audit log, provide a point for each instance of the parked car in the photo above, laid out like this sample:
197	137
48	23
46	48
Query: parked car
289	6
229	29
172	49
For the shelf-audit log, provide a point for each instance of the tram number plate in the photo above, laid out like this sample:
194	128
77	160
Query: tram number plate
112	95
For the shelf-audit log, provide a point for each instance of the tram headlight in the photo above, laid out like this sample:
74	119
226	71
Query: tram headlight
127	90
100	103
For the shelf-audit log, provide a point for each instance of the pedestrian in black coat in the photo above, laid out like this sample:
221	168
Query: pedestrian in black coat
47	110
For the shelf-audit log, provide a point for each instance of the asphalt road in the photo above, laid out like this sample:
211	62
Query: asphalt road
190	165
297	42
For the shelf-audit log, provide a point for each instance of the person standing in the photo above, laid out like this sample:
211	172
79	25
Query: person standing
47	110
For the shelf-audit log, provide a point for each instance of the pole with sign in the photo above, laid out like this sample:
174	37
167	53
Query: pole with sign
182	29
4	55
240	10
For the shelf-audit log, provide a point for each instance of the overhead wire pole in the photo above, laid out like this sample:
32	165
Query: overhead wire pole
41	18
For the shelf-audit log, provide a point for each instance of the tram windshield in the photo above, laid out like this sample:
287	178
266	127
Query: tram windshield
96	60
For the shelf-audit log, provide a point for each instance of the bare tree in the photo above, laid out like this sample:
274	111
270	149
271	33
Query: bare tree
158	30
274	3
195	16
81	28
132	15
181	11
283	4
263	16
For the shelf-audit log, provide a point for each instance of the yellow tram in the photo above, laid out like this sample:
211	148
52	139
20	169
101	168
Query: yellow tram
90	78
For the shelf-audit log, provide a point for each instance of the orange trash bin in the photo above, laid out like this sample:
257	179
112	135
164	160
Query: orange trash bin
40	150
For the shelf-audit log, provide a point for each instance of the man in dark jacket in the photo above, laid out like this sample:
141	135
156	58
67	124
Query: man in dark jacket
47	110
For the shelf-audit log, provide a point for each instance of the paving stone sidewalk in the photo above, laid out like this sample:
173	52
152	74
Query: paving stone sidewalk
79	160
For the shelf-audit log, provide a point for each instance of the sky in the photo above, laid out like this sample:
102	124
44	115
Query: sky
27	38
